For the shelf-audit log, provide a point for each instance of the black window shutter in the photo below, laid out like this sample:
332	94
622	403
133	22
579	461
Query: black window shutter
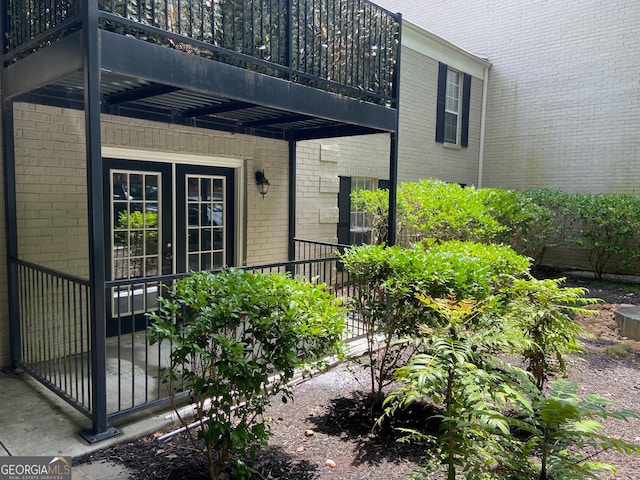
383	184
466	100
344	211
442	92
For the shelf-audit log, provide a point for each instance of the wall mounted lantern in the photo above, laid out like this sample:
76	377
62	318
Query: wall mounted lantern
262	182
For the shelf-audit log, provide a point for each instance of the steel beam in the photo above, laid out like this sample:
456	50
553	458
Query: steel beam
163	65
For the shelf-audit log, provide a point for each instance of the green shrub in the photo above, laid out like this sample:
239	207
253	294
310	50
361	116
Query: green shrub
237	338
435	211
608	225
543	311
529	226
388	279
563	434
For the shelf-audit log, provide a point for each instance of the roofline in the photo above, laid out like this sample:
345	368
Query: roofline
431	45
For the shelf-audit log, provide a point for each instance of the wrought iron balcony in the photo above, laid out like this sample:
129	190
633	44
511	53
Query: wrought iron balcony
348	47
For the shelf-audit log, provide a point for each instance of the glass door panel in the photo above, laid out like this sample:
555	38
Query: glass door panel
205	222
135	227
205	225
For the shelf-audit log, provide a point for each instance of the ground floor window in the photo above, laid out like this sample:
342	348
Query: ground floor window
354	226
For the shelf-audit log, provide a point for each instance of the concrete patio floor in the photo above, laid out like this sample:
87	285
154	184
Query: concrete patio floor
36	422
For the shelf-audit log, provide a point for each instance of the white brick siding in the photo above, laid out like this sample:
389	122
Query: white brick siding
564	104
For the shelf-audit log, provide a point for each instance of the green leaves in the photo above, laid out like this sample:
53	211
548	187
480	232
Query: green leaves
237	338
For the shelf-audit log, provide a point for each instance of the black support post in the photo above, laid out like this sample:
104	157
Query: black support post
393	155
11	225
10	205
95	205
292	198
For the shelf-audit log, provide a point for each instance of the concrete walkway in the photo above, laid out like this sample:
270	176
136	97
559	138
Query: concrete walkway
36	422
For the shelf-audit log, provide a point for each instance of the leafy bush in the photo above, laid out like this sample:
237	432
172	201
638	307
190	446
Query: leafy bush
437	211
237	338
529	226
608	225
563	434
543	311
388	278
495	423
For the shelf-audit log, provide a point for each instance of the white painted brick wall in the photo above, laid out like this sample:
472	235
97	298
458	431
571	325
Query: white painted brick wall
564	102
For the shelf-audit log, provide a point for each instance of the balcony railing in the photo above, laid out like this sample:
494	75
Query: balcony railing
345	46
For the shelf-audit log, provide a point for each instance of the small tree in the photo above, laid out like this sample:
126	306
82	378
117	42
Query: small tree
543	311
564	436
236	339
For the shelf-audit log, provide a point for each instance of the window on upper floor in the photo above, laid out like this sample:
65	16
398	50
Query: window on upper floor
454	91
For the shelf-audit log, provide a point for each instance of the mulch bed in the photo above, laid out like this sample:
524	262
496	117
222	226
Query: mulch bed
328	423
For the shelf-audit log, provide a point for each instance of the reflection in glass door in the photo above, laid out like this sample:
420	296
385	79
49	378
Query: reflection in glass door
136	232
143	220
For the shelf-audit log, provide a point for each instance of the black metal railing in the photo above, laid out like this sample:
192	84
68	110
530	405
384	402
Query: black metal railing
55	328
30	25
346	46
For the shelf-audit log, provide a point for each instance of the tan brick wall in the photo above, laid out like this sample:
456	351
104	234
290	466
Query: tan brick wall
265	220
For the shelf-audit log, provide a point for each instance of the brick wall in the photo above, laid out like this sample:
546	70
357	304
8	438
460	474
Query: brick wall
265	220
52	193
563	108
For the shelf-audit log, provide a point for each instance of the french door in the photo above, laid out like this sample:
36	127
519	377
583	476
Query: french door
161	219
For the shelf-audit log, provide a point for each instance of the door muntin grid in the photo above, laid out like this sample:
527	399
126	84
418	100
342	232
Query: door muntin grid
136	235
205	221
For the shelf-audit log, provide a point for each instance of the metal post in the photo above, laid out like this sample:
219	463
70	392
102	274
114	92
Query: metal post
10	205
95	205
292	198
289	33
12	232
393	156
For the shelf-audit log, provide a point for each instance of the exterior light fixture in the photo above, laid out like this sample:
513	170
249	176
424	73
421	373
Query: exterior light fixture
262	182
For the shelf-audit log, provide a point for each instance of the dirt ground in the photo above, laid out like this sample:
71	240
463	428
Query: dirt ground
326	433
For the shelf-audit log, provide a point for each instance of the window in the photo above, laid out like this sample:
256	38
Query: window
360	223
452	122
452	107
354	226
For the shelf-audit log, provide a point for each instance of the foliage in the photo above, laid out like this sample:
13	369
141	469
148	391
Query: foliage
388	278
459	369
237	338
495	421
608	225
563	434
529	226
559	203
384	302
140	227
375	205
542	311
434	211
